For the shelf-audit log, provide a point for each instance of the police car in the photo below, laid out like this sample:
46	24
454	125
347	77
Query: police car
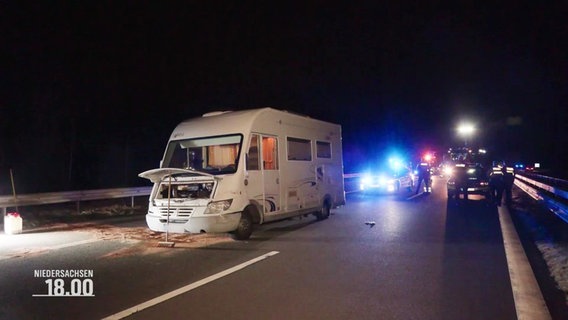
387	180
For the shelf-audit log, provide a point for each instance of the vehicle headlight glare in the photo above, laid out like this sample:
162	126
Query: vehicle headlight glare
366	180
383	180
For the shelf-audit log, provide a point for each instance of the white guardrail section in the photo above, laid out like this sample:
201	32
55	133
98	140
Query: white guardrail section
71	196
527	185
24	200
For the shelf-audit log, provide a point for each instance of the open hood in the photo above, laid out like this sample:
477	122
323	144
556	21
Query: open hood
157	175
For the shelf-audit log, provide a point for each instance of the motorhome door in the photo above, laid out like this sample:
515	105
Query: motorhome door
263	172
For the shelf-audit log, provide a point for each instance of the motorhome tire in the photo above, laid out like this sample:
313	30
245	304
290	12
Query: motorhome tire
324	211
244	229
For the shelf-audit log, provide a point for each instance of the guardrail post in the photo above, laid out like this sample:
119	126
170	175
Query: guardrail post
132	202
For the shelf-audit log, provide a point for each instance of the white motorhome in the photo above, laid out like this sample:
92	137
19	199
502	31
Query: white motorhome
226	171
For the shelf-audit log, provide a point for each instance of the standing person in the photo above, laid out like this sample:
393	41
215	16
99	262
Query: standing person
496	182
423	175
508	181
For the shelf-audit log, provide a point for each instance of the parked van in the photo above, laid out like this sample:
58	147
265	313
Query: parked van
225	171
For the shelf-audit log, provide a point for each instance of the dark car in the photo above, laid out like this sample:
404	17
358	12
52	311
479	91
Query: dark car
468	179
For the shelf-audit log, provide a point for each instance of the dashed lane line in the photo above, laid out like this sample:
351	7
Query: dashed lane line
189	287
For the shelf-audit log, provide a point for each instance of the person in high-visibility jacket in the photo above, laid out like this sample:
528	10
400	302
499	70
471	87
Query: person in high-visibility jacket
496	183
424	175
508	181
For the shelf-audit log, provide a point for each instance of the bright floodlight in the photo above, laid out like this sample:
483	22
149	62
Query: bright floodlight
466	129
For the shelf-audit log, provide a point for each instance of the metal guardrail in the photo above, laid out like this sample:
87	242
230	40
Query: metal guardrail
552	189
83	195
560	183
71	196
102	194
545	193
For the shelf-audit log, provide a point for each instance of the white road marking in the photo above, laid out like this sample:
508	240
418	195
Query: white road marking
414	196
189	287
529	302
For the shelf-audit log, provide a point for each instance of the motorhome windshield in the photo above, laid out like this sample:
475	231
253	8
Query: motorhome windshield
214	155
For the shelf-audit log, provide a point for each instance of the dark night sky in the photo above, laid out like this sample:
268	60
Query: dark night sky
90	91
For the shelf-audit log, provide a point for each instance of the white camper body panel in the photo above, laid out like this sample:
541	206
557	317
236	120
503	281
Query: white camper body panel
276	165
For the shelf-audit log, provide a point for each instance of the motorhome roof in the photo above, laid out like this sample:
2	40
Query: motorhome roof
217	113
214	113
224	122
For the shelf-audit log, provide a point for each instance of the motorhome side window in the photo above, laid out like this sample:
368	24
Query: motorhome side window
323	149
215	155
299	149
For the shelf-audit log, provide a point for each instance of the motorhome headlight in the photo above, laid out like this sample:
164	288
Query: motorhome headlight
217	207
367	179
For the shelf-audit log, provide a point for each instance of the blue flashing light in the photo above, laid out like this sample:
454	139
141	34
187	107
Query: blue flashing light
395	163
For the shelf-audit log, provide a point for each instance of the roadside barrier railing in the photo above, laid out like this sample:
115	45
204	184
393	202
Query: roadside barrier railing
551	195
36	199
24	200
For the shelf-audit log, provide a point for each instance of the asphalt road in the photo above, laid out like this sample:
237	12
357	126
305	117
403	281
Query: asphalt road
421	259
